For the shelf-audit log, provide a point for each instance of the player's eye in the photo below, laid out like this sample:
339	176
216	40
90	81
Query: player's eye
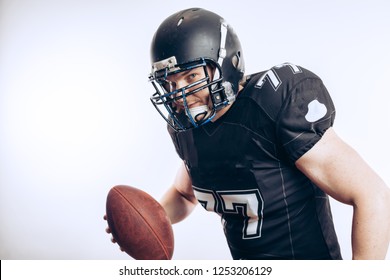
192	76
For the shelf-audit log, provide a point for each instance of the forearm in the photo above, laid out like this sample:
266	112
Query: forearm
176	205
371	228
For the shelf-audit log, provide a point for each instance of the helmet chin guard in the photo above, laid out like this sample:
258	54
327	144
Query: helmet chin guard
187	40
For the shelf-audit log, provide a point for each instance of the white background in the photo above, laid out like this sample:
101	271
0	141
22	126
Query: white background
75	115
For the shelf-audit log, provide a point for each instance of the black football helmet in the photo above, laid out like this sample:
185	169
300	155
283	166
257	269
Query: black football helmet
186	40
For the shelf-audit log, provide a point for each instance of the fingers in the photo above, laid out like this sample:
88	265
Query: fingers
114	241
108	230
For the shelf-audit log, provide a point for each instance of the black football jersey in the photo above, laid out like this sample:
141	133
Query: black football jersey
242	167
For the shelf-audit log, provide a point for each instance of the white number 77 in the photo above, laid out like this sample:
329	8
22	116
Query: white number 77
248	204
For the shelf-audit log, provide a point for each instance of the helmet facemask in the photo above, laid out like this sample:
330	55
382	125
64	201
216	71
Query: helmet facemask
172	102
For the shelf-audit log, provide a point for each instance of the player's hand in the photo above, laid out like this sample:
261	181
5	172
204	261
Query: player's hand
108	230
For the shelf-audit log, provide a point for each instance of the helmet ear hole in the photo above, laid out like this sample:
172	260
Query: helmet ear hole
180	21
236	60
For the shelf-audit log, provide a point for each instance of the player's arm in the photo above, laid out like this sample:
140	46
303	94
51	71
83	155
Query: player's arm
179	200
336	168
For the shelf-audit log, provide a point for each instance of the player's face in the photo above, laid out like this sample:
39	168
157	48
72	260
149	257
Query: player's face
182	80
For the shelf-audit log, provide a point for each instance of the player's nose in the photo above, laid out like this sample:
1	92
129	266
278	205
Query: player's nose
180	85
179	97
181	91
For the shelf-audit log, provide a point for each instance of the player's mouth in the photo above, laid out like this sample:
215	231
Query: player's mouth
190	105
194	104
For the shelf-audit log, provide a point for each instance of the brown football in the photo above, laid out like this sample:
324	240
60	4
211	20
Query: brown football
139	224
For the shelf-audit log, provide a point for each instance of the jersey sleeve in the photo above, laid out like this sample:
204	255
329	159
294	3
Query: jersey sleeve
307	112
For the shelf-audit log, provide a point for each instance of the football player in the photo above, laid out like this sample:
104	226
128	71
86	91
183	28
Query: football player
259	149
